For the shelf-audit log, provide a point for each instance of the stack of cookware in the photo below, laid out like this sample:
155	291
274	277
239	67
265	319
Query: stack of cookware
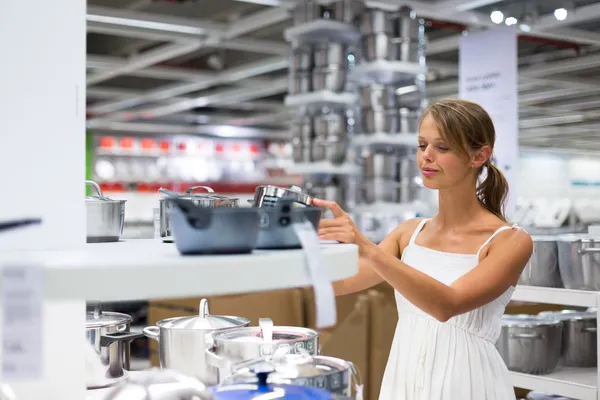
346	11
225	352
322	137
385	112
389	176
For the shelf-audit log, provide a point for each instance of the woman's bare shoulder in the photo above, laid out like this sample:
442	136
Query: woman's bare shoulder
404	231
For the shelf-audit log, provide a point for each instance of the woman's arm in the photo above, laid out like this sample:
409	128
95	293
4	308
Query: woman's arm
505	261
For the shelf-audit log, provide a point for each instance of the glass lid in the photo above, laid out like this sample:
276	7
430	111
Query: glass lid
204	320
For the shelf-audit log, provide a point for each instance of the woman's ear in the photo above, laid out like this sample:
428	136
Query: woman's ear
481	156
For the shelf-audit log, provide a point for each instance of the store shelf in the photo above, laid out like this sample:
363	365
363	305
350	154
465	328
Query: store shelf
322	167
323	30
568	297
382	71
575	383
321	98
381	138
147	268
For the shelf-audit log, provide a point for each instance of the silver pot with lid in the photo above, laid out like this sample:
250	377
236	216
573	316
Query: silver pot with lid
208	199
109	334
243	344
105	217
182	341
332	374
579	262
158	384
268	196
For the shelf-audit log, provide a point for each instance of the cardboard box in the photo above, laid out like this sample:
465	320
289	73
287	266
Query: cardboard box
382	327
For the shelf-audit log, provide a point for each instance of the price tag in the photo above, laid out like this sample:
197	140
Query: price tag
22	299
324	295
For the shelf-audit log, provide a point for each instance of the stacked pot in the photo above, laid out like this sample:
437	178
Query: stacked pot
388	177
322	137
385	112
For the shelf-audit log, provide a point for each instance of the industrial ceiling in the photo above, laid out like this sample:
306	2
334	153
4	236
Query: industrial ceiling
200	66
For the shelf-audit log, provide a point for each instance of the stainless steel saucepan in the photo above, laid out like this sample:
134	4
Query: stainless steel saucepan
105	217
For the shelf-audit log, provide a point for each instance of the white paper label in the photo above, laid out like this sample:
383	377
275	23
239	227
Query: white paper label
22	325
324	295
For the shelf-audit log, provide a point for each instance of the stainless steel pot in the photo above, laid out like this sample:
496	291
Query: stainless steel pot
301	153
379	46
302	130
542	268
380	121
208	199
104	217
530	344
374	190
346	10
378	97
408	169
182	341
268	195
380	165
158	384
579	262
329	78
243	344
409	121
377	21
327	191
330	150
579	337
332	125
330	55
109	334
332	374
299	82
408	26
302	58
407	50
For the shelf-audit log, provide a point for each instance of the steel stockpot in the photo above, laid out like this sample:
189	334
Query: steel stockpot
579	262
207	199
268	196
105	217
243	344
579	337
542	267
530	344
109	333
182	341
332	374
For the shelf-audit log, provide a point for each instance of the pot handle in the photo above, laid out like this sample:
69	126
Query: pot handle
358	384
152	332
203	309
526	336
191	189
216	361
109	338
588	250
96	188
591	329
266	327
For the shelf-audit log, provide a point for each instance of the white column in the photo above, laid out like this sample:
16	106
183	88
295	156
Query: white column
42	166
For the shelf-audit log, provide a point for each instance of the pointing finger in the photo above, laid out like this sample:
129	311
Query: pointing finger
331	205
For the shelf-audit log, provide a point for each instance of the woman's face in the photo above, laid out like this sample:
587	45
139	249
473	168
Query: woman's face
441	166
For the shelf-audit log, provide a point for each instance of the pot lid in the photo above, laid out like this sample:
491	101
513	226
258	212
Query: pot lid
99	319
262	390
99	196
565	315
156	384
266	333
204	321
525	320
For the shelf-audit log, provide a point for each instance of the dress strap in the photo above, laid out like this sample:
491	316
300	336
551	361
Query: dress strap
416	232
501	229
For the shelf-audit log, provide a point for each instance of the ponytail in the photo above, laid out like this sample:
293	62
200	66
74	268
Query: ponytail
492	192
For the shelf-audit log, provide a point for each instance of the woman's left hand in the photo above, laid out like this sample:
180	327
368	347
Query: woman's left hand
340	228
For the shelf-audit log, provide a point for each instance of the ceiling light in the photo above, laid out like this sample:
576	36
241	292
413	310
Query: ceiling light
525	28
511	21
497	17
560	14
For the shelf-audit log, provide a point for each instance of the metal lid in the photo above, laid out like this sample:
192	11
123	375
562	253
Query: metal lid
204	321
99	197
565	315
525	321
205	199
100	319
157	384
266	333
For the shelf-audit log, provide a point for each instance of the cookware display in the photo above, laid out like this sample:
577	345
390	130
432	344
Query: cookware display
542	267
334	189
242	344
203	230
346	11
331	374
110	335
269	196
530	344
104	217
276	225
330	149
158	384
579	337
182	341
579	262
208	199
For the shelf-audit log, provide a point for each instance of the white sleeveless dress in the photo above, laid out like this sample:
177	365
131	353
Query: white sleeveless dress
455	360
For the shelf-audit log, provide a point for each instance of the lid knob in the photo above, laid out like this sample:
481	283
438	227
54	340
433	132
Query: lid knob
203	309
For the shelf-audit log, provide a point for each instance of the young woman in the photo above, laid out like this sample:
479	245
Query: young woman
454	273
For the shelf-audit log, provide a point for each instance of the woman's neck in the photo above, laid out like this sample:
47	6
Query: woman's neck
458	206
